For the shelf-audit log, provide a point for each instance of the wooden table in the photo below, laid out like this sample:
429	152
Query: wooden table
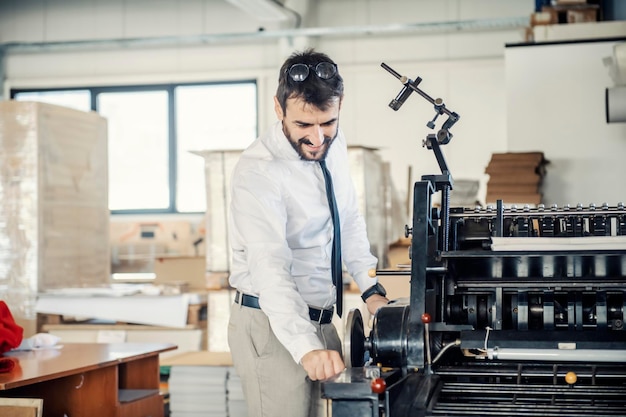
90	379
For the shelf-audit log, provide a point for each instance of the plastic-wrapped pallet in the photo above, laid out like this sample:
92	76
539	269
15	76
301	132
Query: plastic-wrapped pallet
53	201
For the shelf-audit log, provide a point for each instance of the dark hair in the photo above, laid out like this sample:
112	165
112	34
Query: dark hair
313	90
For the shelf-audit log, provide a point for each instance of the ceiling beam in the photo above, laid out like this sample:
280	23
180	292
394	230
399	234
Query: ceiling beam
209	39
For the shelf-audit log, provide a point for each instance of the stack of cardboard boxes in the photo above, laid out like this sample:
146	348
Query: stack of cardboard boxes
563	11
515	178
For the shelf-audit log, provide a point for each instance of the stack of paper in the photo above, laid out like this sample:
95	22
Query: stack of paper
586	243
236	402
117	304
198	390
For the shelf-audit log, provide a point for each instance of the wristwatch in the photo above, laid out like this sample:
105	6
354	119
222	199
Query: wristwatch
374	289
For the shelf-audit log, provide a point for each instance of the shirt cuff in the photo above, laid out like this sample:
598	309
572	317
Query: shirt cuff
364	281
304	345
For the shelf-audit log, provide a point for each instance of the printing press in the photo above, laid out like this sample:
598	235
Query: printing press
512	311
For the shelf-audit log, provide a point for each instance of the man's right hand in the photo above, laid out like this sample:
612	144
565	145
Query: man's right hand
322	364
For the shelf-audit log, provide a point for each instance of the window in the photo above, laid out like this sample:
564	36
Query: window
209	117
75	99
153	131
138	149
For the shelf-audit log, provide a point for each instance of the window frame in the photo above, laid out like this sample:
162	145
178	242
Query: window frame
170	88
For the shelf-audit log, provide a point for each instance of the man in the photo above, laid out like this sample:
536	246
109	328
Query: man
281	234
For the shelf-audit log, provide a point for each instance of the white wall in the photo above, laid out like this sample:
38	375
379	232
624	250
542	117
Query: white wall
556	104
464	68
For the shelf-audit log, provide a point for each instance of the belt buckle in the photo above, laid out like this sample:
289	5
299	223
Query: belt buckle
319	314
322	312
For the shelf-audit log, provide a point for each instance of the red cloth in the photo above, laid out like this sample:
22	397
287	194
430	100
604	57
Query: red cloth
11	333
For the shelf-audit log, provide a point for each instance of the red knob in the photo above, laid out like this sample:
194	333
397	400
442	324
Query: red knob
378	385
425	318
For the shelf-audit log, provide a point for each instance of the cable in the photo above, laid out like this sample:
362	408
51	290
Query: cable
487	336
457	342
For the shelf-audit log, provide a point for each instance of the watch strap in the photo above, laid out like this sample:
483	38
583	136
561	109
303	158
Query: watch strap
374	289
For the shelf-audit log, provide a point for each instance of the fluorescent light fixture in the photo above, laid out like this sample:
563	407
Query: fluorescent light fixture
267	10
133	276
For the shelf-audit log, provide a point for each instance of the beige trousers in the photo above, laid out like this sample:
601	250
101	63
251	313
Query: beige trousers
273	384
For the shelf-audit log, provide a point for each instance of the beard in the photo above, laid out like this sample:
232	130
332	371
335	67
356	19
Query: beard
308	155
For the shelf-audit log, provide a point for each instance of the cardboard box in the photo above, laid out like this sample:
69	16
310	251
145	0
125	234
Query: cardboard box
398	286
199	359
156	238
187	339
181	270
582	15
542	18
515	177
29	326
572	13
21	407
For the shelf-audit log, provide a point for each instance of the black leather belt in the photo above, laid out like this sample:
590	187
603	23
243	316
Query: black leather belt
317	315
247	300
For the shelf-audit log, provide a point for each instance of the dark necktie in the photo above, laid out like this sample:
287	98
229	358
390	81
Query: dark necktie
336	254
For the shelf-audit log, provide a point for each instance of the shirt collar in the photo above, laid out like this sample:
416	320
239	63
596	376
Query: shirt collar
281	148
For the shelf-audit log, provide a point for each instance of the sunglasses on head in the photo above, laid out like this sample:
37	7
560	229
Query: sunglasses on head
324	70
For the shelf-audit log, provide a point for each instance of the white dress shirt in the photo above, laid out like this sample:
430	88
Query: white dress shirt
281	234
